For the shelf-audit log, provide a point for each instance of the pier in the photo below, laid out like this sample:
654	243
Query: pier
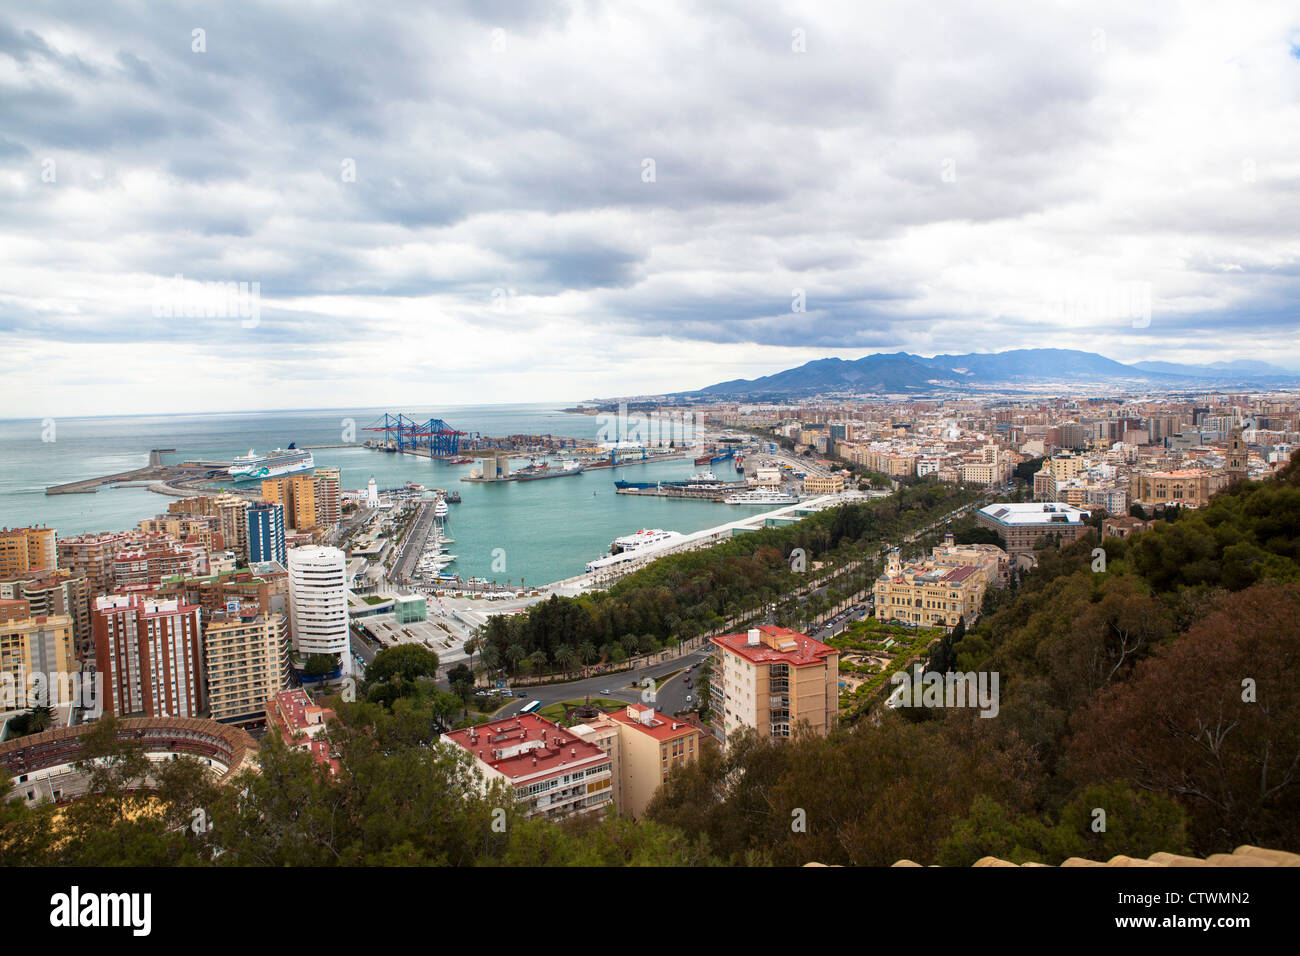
154	473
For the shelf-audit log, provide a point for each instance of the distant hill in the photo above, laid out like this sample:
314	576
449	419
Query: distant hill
902	372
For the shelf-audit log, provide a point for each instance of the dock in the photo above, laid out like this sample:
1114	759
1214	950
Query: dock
154	473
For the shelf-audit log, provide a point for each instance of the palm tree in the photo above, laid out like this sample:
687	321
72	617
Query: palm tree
515	653
566	657
587	654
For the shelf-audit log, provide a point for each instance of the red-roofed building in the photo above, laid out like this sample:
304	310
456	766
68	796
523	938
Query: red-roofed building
302	725
643	745
554	772
771	679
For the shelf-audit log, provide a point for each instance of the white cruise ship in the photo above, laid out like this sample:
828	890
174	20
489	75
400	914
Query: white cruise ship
762	496
252	466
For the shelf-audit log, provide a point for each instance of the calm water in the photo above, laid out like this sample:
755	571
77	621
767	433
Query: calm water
548	529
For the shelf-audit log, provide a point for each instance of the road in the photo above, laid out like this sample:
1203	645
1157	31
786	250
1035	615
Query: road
670	698
413	546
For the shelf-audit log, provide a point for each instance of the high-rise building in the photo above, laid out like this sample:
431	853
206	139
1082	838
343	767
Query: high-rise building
329	496
318	602
33	645
771	679
91	556
246	659
232	511
297	495
266	533
27	549
150	653
57	592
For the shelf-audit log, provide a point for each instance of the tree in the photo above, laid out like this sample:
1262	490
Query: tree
1212	720
405	662
318	665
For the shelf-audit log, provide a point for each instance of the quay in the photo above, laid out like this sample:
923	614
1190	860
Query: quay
156	472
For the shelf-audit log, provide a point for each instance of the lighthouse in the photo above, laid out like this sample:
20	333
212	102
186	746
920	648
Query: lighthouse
372	493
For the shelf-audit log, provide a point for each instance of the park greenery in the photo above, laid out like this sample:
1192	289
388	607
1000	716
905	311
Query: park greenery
694	593
1151	678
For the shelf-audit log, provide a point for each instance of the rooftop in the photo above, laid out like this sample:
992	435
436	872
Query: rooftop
647	720
525	745
776	644
1034	512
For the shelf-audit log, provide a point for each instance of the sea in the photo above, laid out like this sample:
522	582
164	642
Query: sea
545	530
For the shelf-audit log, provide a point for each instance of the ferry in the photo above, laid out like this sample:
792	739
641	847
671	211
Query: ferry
253	467
633	542
632	546
762	496
534	471
463	461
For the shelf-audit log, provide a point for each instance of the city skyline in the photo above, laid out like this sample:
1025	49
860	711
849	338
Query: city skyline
523	204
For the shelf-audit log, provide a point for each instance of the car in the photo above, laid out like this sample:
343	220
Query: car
521	694
606	691
688	698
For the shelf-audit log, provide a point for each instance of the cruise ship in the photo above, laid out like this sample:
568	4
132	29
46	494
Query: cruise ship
252	467
762	496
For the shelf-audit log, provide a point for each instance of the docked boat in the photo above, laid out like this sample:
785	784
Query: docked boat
632	542
440	508
762	496
633	546
534	472
253	467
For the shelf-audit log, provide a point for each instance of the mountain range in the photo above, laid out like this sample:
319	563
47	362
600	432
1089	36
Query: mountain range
902	372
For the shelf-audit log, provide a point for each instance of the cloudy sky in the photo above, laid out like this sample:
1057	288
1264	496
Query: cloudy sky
513	201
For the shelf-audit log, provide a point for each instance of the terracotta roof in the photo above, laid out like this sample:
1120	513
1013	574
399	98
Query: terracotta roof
1244	855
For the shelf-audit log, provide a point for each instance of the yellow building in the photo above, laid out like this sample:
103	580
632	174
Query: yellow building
771	679
27	549
297	495
823	484
644	746
246	659
930	594
30	646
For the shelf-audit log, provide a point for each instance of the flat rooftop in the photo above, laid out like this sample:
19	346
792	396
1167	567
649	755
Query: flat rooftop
525	746
1033	513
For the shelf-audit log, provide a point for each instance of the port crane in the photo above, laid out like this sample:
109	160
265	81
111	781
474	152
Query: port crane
405	432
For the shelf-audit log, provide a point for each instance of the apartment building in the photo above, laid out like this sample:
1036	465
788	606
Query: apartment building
329	497
1023	525
150	655
145	564
302	725
644	746
772	679
90	556
266	536
27	549
31	645
553	772
296	494
246	662
50	593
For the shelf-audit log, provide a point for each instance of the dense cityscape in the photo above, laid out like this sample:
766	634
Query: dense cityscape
689	440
